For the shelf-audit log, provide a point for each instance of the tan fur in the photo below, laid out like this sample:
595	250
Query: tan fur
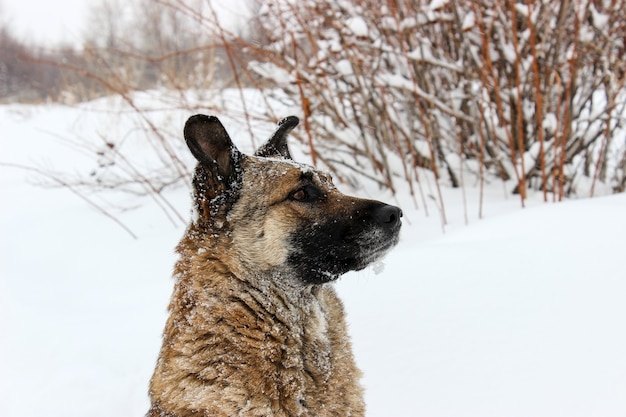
235	337
255	326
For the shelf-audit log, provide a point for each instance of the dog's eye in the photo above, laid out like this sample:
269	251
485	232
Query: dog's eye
299	195
305	194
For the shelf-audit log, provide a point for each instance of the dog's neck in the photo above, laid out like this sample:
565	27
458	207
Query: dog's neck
206	287
279	292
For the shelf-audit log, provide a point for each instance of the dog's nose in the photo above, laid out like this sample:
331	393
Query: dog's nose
388	216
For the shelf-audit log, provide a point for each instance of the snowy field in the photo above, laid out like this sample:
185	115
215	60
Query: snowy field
520	314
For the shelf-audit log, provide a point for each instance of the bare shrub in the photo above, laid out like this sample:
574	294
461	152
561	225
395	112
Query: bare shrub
154	69
395	92
530	93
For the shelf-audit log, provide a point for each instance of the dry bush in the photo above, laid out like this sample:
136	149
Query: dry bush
530	93
143	77
394	92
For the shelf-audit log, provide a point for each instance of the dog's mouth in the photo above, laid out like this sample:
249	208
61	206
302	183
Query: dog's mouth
325	263
322	252
372	254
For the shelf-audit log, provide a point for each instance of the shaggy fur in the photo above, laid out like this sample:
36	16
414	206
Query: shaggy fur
255	328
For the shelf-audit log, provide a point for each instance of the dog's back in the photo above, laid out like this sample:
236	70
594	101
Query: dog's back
255	328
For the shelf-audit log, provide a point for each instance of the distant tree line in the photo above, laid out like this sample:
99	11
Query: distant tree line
130	46
21	79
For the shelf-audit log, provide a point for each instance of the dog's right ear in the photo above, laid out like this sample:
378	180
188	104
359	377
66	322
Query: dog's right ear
276	145
210	144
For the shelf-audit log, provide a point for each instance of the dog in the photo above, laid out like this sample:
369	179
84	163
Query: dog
255	326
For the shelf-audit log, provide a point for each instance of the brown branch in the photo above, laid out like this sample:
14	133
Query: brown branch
74	191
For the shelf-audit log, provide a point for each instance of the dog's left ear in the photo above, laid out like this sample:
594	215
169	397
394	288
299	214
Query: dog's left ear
276	145
209	142
218	176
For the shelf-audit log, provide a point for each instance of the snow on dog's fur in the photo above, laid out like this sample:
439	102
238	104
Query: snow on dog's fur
255	327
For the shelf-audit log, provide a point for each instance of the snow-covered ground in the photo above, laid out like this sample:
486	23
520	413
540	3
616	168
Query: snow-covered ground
520	314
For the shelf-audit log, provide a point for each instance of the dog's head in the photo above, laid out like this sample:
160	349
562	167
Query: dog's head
274	214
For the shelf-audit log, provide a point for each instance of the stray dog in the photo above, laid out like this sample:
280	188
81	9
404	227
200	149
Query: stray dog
255	329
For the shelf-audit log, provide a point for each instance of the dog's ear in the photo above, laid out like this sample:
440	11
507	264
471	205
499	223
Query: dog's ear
276	145
210	144
218	176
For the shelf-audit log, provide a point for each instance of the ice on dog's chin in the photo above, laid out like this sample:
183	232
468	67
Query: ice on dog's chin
378	267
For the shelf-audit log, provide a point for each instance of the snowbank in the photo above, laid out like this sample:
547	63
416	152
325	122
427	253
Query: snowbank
520	314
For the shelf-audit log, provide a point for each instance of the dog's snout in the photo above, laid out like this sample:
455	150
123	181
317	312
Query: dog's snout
388	216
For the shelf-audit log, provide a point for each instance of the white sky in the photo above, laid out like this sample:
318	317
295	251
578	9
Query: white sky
47	22
52	22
